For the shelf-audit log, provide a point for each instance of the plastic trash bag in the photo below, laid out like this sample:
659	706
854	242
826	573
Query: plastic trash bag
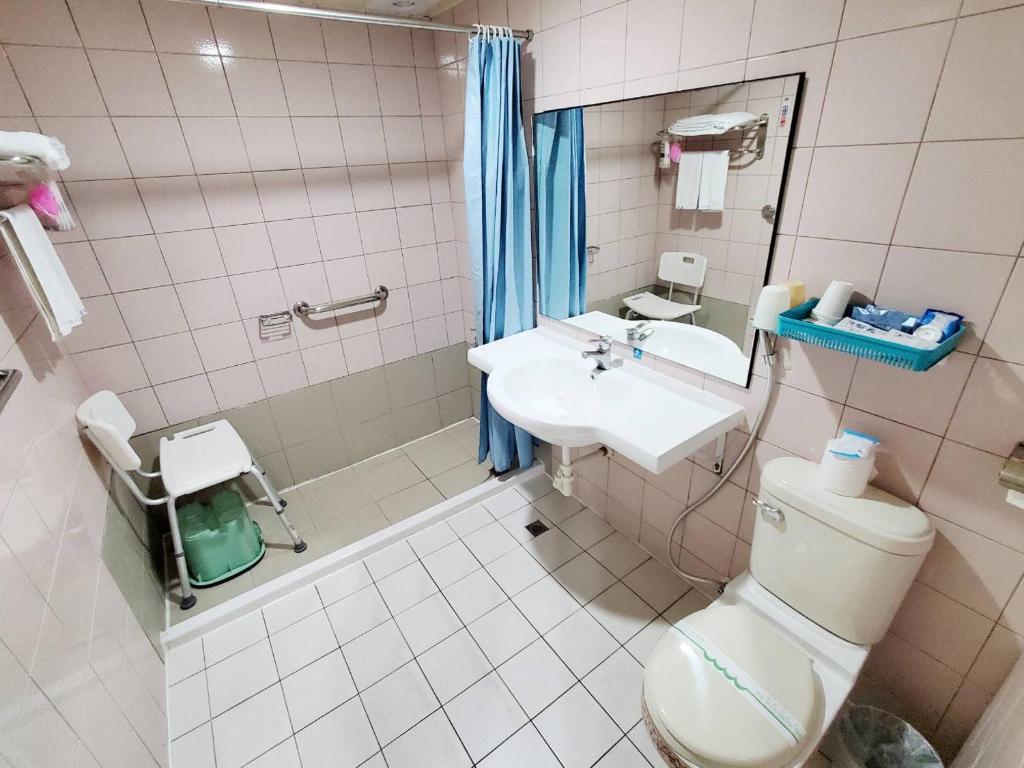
876	739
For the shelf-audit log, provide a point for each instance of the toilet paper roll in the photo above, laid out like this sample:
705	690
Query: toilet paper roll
845	476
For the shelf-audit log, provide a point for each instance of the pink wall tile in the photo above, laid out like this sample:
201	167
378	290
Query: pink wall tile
117	368
179	28
245	248
215	144
347	277
404	139
256	87
82	267
231	198
269	142
242	33
145	409
801	423
282	194
391	46
865	17
431	333
416	225
324	362
130	263
186	399
297	38
258	293
281	374
151	312
371	187
991	410
338	236
329	190
191	255
39	22
347	43
132	83
174	203
57	81
363	352
716	32
208	302
167	358
111	25
318	140
198	86
561	62
397	90
294	242
773	28
378	231
308	88
817	262
93	144
397	343
1003	339
364	140
355	90
141	136
234	387
109	208
102	326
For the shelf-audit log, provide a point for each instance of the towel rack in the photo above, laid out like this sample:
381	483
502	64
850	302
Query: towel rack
380	293
21	160
759	141
9	378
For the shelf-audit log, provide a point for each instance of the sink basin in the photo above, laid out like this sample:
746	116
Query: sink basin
538	381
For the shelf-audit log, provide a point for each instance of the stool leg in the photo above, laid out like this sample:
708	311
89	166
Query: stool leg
187	598
279	504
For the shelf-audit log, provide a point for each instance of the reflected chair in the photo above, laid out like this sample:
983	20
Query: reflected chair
688	269
190	461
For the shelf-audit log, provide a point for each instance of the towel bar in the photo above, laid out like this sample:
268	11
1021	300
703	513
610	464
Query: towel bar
380	293
9	378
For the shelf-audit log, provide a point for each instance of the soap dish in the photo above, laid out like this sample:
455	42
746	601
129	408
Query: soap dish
795	324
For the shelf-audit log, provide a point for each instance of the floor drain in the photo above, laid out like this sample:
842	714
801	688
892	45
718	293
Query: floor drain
536	527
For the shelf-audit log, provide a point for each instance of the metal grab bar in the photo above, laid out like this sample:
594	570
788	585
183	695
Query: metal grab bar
380	293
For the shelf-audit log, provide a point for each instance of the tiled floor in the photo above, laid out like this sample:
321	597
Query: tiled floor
345	506
470	643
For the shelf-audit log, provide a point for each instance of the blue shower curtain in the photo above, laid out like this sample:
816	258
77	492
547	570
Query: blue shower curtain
561	213
498	212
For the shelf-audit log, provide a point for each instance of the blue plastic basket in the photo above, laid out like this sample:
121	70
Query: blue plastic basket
793	324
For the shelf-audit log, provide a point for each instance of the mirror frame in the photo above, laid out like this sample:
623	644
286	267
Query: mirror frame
784	181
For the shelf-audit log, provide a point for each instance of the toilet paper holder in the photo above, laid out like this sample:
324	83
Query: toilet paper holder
1012	474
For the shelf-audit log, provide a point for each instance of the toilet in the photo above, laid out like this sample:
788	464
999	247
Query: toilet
756	678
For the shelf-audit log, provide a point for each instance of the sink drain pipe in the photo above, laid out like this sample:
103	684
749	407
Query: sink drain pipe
768	339
563	479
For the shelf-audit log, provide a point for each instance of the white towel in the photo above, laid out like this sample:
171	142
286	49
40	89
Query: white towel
688	180
705	125
46	148
42	271
714	173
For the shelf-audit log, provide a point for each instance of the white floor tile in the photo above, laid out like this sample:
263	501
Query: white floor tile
398	702
586	528
545	604
536	677
303	642
233	637
376	654
618	554
342	738
502	633
504	503
490	542
552	549
535	487
557	507
428	623
453	665
584	578
450	563
390	476
247	731
434	737
316	689
577	729
345	582
656	584
284	755
474	595
184	661
188	705
389	560
240	676
617	684
432	539
581	642
470	519
623	755
353	615
404	588
435	454
621	612
522	749
298	605
515	523
377	761
485	715
692	601
194	749
642	741
643	642
515	571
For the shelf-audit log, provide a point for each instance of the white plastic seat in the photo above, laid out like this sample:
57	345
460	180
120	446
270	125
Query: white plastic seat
674	267
190	461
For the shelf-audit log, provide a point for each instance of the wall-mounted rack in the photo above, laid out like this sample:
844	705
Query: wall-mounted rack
759	140
380	293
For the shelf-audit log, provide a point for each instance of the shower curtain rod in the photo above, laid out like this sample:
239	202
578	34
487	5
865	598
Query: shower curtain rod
352	16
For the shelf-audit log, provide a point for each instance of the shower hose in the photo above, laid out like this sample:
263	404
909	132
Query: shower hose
769	359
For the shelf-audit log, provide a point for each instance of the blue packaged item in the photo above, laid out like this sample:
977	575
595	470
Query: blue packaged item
887	319
938	325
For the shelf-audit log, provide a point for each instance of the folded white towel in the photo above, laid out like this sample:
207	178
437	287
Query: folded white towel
46	148
42	271
713	176
706	125
688	180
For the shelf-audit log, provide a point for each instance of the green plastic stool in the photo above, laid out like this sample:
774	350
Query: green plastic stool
220	540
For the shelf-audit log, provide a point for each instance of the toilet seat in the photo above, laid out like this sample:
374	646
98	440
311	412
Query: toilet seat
723	688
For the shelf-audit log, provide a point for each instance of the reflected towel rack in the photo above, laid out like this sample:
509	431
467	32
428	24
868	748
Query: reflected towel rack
21	161
9	378
757	150
380	293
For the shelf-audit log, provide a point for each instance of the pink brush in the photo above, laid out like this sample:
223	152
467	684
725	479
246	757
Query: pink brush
45	200
675	152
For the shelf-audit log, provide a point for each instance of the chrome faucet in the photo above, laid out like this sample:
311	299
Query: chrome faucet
639	332
602	355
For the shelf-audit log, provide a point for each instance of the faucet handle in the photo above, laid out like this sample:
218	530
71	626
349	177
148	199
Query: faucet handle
603	342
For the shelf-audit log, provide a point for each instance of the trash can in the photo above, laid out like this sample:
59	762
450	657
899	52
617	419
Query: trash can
873	738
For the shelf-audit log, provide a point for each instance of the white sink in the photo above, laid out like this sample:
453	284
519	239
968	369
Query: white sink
538	381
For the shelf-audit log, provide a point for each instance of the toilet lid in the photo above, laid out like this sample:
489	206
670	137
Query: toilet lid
723	687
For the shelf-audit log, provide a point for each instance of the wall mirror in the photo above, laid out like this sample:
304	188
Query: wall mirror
656	217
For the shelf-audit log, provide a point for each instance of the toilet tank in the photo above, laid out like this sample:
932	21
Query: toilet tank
843	562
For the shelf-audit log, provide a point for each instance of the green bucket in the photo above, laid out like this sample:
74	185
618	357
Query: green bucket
220	540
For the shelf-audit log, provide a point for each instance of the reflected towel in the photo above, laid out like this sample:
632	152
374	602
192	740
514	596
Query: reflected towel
42	271
688	180
46	148
713	176
705	125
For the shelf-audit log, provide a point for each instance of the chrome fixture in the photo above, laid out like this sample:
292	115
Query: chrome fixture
759	139
602	355
275	319
768	512
1012	474
592	251
9	378
639	332
380	293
